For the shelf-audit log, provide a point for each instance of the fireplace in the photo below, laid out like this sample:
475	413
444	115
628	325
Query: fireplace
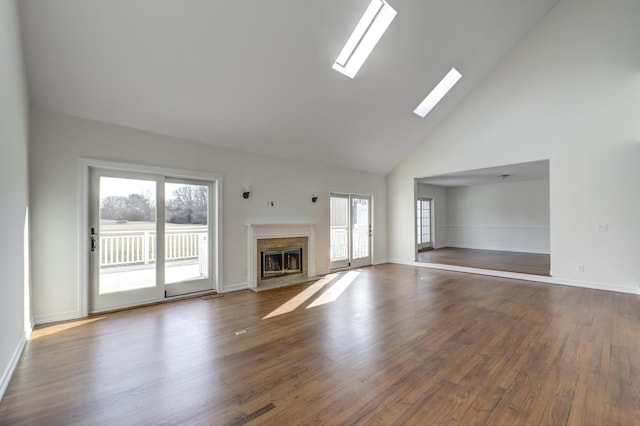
280	254
281	261
278	263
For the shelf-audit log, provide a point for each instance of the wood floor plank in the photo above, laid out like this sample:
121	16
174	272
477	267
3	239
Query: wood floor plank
401	345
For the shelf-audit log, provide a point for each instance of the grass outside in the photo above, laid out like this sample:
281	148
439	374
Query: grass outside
114	226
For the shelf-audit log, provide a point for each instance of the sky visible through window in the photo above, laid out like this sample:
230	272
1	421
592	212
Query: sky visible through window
118	186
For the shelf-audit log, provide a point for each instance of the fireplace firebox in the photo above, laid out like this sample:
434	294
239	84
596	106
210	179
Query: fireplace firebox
278	263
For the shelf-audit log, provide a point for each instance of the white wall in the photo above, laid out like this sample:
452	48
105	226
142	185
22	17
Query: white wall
438	195
14	316
58	142
511	216
569	92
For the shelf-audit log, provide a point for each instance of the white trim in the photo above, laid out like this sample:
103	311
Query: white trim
11	368
217	260
61	316
380	262
234	287
256	231
84	164
83	247
202	293
523	277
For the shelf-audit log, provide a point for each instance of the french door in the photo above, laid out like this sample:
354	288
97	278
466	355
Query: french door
423	223
150	237
350	239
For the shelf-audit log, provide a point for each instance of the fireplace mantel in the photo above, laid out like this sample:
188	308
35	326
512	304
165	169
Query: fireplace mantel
256	231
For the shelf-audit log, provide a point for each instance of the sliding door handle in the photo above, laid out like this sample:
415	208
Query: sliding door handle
93	243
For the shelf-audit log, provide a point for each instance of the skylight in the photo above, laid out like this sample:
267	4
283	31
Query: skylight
365	36
438	92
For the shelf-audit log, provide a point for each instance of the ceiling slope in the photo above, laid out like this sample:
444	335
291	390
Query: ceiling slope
256	76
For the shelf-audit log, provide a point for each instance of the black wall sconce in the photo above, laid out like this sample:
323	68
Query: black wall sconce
314	198
246	193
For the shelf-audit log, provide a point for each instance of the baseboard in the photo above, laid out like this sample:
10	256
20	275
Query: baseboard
63	316
379	261
596	286
522	277
11	368
514	249
234	287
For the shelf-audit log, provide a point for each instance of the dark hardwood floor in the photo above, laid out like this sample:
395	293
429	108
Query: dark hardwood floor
510	261
389	344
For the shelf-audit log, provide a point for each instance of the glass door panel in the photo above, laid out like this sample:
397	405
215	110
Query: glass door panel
360	231
123	239
339	228
187	234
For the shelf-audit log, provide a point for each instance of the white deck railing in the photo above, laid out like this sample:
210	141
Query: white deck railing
360	242
121	249
339	249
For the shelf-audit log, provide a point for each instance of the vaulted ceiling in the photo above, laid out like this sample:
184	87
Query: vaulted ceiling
256	75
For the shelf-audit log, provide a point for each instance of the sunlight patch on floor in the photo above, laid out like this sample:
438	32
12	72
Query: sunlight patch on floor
302	297
332	294
56	328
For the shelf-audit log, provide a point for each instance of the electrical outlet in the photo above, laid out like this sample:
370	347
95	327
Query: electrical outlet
579	268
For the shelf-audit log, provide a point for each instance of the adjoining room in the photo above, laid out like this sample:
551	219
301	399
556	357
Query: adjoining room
494	218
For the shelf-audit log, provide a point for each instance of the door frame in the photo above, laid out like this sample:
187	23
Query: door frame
84	166
349	195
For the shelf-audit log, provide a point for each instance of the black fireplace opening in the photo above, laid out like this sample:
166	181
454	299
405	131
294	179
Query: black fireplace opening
277	263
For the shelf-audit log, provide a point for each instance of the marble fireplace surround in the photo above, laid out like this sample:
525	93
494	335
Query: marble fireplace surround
258	231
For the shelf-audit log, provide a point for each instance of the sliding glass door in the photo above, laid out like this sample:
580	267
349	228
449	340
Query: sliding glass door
150	238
